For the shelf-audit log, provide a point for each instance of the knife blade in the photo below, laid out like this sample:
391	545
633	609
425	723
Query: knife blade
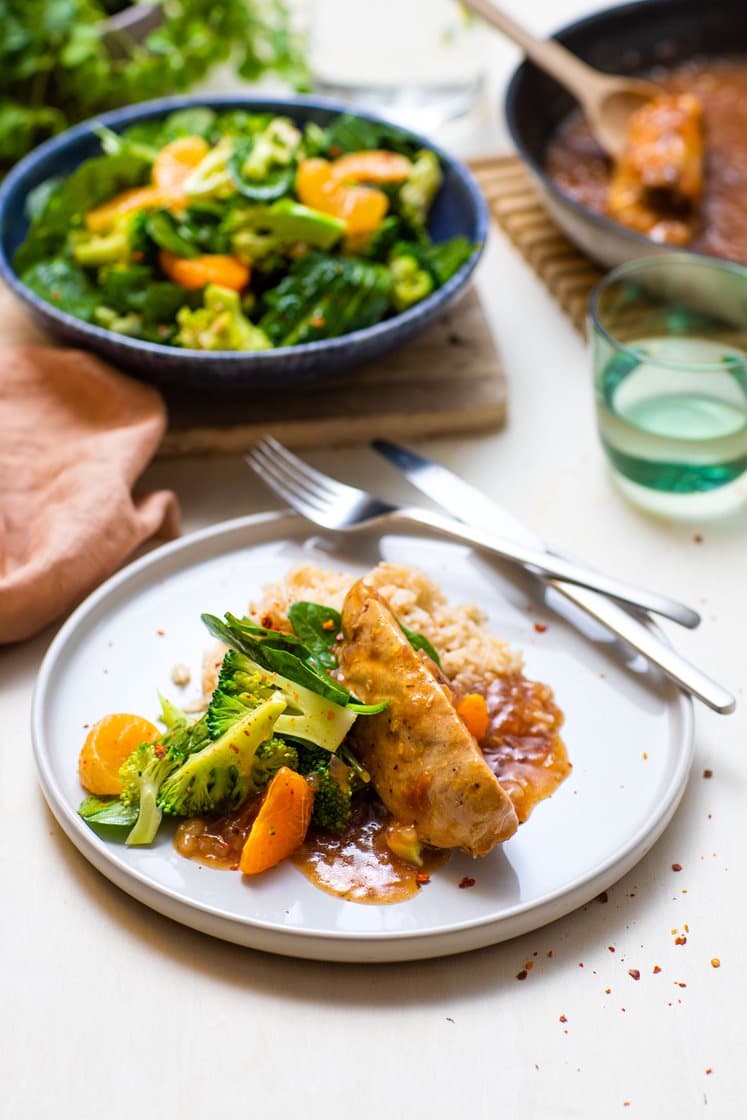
468	504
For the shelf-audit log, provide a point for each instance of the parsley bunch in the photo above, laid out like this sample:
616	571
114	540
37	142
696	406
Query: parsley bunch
55	67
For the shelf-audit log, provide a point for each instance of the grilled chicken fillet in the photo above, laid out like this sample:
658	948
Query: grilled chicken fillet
425	765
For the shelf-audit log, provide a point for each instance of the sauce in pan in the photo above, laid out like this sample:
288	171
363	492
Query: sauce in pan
579	167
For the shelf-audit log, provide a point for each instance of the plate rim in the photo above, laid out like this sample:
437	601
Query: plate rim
312	943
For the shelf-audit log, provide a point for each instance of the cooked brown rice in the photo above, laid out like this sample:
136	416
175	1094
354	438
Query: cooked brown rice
469	653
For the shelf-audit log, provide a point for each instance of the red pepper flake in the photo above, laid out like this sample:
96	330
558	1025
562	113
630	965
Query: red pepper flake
611	948
634	973
549	952
580	964
626	1104
644	756
563	1019
160	633
680	983
676	867
328	624
709	1069
234	748
467	881
540	627
529	965
656	969
607	991
422	877
159	750
55	296
715	962
603	897
708	773
681	940
317	320
697	538
522	975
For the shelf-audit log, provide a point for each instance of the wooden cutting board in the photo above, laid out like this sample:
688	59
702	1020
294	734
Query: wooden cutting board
449	380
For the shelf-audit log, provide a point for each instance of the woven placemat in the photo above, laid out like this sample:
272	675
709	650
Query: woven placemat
564	270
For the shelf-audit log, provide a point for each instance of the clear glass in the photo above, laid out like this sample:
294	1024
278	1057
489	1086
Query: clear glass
420	62
669	344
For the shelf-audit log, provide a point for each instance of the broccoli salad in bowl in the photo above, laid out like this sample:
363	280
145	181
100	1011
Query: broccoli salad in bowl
239	230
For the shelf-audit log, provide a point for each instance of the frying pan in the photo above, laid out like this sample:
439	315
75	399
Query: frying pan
629	39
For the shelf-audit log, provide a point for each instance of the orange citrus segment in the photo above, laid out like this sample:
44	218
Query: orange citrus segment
371	167
108	743
176	161
211	268
281	824
361	208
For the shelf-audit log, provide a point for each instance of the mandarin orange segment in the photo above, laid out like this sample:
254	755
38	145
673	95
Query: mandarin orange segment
103	217
361	208
371	167
281	825
176	161
211	268
109	742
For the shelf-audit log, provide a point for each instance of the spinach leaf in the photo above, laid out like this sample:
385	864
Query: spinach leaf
64	285
317	627
354	134
95	181
162	228
108	811
283	654
419	641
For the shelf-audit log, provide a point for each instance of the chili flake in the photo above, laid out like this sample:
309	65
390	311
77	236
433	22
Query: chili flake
676	867
540	627
634	973
467	881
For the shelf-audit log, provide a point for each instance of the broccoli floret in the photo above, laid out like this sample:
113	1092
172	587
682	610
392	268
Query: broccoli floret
116	246
219	325
212	177
144	772
275	147
420	188
262	232
130	323
219	777
332	782
308	717
411	282
270	757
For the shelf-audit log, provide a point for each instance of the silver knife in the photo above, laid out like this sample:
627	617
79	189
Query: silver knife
468	504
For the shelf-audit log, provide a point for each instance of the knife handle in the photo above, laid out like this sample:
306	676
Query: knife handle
646	641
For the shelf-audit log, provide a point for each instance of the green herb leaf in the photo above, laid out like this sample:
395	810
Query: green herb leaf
317	627
108	811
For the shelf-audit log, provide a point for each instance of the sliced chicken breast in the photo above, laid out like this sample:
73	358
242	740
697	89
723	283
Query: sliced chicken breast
425	765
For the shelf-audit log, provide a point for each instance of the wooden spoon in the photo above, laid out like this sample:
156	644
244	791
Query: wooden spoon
607	100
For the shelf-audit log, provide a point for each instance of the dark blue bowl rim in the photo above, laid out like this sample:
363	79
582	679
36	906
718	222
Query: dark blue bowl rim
595	19
121	118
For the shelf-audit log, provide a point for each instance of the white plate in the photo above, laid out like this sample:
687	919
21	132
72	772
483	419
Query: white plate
628	732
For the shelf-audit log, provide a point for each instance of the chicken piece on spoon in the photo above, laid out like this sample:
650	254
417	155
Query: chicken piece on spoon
425	765
657	183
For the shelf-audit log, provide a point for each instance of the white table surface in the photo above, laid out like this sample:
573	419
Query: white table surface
111	1010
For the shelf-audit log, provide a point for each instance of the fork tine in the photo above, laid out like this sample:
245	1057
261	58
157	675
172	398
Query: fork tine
295	490
274	449
277	483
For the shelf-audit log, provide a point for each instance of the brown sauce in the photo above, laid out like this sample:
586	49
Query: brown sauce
579	167
358	866
522	746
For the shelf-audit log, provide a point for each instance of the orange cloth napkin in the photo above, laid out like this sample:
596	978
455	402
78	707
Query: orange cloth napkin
74	436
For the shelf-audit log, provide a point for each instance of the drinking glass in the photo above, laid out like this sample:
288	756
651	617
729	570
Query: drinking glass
669	344
420	62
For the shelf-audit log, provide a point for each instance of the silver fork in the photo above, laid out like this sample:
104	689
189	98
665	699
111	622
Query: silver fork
335	505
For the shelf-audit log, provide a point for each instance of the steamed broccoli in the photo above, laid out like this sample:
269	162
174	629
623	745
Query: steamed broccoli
262	166
420	188
333	784
219	777
309	717
411	282
144	772
269	758
262	232
219	325
212	177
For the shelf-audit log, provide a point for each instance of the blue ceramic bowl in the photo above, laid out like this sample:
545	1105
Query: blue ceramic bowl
458	209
